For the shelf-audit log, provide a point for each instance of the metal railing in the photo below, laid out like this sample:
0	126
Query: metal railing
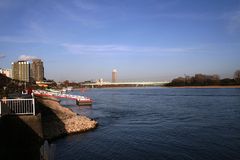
17	106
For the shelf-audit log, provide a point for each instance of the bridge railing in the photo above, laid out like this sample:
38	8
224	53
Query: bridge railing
17	106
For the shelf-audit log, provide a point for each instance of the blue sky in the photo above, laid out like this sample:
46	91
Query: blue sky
150	40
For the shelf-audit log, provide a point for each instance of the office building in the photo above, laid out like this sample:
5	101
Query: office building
114	76
6	72
28	72
21	71
37	70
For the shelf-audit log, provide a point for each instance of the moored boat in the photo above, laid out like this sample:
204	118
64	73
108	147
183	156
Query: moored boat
83	101
80	100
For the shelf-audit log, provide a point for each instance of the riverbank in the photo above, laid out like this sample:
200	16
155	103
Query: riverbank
237	86
58	121
23	135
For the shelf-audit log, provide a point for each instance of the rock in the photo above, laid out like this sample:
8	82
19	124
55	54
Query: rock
58	120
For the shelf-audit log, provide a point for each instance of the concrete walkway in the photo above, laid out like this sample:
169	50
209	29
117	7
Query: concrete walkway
21	137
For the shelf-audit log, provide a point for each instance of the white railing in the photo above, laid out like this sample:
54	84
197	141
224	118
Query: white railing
17	106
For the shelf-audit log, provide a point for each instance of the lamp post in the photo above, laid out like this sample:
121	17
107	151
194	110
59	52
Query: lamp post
4	92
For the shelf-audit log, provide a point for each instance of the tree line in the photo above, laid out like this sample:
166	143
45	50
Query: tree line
205	80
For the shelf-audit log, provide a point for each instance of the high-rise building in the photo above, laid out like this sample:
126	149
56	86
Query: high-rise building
37	70
7	72
21	71
114	76
28	72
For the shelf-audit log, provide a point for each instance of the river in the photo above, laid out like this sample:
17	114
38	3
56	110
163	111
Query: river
157	123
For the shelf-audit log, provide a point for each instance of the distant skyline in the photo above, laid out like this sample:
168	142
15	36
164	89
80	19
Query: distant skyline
151	40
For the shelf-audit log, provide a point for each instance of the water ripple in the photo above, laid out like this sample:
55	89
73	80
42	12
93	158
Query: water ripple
165	124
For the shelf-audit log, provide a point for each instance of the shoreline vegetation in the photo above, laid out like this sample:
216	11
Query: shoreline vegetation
196	81
206	81
233	86
58	121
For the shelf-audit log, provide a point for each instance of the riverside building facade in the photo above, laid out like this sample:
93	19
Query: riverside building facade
37	70
6	72
21	71
27	71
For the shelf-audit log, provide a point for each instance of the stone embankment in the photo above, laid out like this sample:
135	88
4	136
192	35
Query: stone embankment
58	120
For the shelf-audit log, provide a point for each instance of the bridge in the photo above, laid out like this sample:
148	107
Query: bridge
130	84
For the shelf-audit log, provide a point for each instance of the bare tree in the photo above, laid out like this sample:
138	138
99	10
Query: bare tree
237	76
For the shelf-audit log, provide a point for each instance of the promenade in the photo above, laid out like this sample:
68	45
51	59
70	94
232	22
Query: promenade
23	135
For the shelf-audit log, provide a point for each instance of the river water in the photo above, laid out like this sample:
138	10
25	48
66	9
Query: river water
157	123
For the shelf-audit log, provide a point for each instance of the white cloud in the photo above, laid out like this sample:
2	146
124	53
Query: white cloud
34	32
27	57
232	20
5	4
25	39
86	5
2	56
116	49
81	12
234	24
19	39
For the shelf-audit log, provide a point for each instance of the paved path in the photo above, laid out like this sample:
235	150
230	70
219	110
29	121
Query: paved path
20	137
